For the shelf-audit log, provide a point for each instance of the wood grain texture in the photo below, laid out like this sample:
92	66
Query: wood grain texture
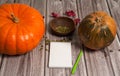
61	7
57	7
76	45
23	1
6	1
114	6
32	63
104	62
97	63
1	2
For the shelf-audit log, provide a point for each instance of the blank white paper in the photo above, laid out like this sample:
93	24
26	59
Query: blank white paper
60	55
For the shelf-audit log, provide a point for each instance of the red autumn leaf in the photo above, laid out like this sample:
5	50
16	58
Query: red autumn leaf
77	20
70	13
55	15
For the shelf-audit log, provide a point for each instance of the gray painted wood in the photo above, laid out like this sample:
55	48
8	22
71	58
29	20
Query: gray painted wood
2	2
6	1
76	45
57	7
93	63
96	62
32	63
114	6
61	7
23	1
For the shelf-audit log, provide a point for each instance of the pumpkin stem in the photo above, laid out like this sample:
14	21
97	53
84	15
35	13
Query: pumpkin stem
97	19
14	18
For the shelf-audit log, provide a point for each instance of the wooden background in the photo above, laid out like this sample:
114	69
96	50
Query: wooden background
105	62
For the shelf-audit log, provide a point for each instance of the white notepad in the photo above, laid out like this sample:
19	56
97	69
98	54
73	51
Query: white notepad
60	55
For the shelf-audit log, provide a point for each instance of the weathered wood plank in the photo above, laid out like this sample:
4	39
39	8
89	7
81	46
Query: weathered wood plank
114	6
10	62
32	63
3	59
115	12
23	1
76	46
2	2
38	56
6	1
60	7
97	63
57	7
91	64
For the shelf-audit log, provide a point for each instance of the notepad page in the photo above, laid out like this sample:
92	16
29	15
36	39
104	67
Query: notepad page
60	55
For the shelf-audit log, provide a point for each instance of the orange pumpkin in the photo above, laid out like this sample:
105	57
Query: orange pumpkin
97	30
21	28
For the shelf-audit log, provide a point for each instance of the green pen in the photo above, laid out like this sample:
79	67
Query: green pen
77	61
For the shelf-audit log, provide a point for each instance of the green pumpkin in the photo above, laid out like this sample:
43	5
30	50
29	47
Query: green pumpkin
97	30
